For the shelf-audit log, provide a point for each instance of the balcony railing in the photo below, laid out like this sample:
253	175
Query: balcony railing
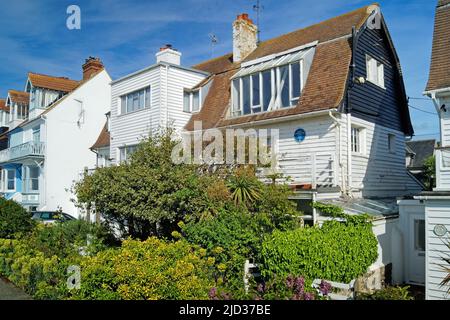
29	149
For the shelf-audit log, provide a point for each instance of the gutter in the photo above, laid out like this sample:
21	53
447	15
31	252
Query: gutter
281	119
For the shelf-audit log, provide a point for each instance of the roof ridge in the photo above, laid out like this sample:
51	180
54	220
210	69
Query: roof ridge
324	21
50	76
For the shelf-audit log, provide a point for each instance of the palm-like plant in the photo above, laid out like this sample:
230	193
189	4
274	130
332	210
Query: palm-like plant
446	268
244	187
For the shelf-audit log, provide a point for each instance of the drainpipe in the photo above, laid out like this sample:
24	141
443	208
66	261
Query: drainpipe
338	125
349	115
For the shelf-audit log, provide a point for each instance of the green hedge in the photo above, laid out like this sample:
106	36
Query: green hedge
14	219
336	252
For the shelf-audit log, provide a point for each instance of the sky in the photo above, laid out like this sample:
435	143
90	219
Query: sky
127	34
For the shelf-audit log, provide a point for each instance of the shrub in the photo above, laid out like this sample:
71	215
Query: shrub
388	293
68	238
152	269
337	252
14	219
40	276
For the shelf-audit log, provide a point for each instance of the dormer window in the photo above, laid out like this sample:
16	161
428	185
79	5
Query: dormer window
268	86
191	101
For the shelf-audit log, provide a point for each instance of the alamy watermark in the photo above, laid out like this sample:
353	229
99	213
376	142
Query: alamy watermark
227	147
73	22
374	21
74	279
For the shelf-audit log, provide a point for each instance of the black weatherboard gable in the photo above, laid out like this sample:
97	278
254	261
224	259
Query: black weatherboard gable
387	106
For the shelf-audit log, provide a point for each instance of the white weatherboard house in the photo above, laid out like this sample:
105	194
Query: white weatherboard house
49	147
426	218
149	99
334	91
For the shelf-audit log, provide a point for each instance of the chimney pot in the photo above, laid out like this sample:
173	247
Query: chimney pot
91	67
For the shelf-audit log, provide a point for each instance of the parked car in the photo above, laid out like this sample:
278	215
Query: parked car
49	217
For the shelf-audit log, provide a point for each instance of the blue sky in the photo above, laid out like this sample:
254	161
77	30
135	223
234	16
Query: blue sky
127	34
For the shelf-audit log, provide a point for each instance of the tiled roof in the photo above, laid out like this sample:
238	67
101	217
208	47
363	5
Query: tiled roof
326	82
440	59
422	150
2	105
19	96
103	139
52	83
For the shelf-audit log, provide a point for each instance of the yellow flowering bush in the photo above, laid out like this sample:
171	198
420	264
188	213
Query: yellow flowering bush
147	270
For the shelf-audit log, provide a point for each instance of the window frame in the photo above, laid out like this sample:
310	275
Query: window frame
191	100
275	102
126	149
7	179
360	143
379	77
124	111
391	140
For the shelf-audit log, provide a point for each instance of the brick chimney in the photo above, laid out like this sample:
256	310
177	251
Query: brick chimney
245	37
91	67
169	55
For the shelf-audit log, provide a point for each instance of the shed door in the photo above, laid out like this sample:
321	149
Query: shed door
417	249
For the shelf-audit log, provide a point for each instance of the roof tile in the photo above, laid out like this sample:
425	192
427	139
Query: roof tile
52	83
2	105
19	96
326	82
103	139
440	60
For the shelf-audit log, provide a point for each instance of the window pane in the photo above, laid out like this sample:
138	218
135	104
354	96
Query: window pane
141	100
284	86
147	97
419	235
246	94
123	101
186	101
295	71
195	101
255	83
267	89
236	95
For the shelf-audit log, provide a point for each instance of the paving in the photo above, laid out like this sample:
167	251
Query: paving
10	292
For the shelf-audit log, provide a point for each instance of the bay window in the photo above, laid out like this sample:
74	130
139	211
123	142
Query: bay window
267	90
135	101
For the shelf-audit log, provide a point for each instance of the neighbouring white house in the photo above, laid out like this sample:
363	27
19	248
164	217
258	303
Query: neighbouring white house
163	94
426	217
50	132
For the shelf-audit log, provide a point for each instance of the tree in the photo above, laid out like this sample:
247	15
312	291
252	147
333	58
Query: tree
14	219
149	194
429	171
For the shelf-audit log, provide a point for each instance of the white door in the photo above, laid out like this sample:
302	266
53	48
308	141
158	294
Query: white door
416	254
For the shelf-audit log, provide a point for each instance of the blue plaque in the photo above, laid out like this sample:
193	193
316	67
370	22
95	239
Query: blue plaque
300	135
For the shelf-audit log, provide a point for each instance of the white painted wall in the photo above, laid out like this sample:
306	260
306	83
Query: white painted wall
294	158
437	212
70	132
167	83
377	172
